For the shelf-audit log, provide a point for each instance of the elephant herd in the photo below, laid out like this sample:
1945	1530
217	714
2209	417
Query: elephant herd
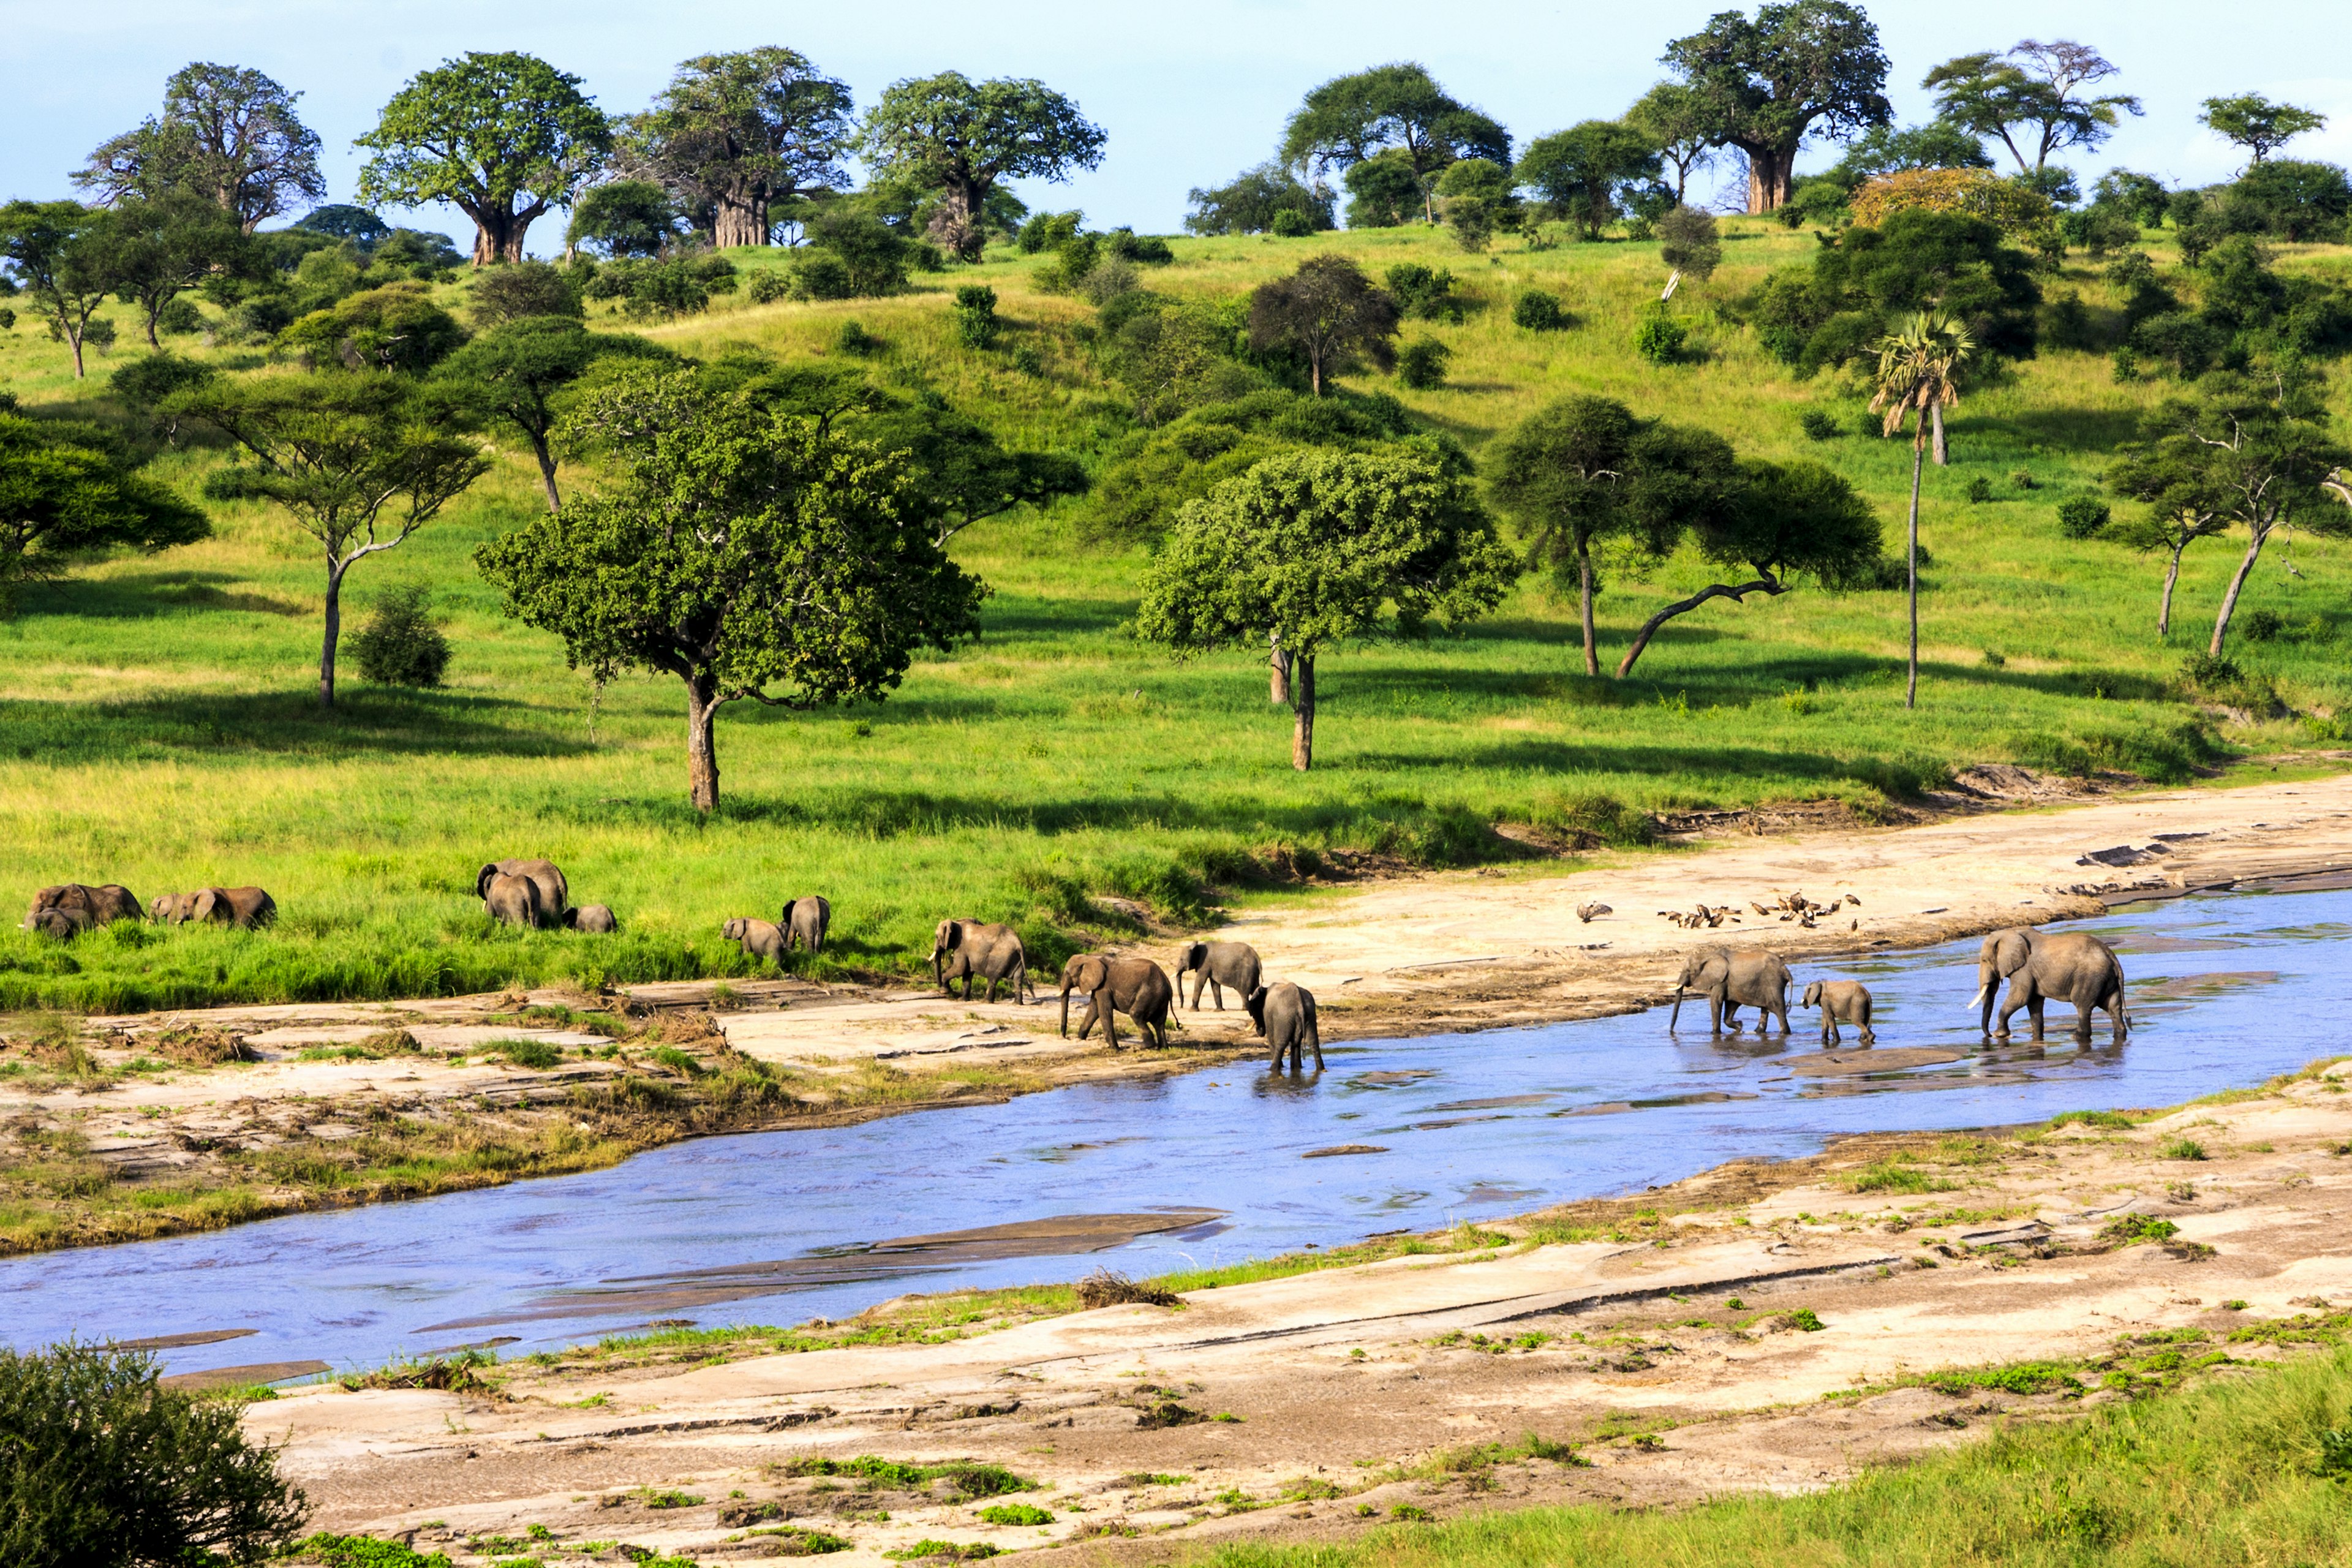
2040	967
69	908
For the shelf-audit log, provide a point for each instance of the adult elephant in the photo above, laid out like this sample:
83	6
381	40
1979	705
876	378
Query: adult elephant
805	921
244	908
1135	986
974	949
1284	1015
513	901
98	906
1214	965
555	892
1731	980
2049	967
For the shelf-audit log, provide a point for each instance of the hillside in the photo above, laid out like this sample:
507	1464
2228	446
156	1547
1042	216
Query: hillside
158	727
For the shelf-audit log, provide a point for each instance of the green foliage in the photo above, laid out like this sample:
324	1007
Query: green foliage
851	254
1819	424
396	327
227	134
965	1477
975	316
679	286
2257	124
1687	241
67	494
1290	225
1658	337
1383	192
1397	118
362	1551
1426	293
2080	517
745	136
55	253
2030	99
2182	1149
1015	1513
1538	310
400	645
1860	285
1329	313
2113	1121
522	288
1762	84
2131	1230
1421	365
624	219
100	1467
518	374
958	138
1587	172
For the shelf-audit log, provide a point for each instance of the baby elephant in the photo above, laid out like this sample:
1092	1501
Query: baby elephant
1284	1015
595	919
805	921
1135	986
99	906
244	908
1841	1001
1213	965
759	939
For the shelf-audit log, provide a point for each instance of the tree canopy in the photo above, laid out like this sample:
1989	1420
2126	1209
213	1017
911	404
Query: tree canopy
732	135
517	372
66	493
2032	97
1351	119
1765	85
1835	310
155	250
1327	312
501	137
1673	116
1582	171
957	138
58	254
2255	124
1253	200
229	134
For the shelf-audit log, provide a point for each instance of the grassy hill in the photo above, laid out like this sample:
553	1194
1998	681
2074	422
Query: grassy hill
157	727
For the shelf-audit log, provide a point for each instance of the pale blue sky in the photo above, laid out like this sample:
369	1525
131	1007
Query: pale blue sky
1190	92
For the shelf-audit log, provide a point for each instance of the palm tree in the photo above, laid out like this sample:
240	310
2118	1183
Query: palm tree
1919	371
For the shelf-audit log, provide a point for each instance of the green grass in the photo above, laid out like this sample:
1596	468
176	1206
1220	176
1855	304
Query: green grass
2238	1475
156	727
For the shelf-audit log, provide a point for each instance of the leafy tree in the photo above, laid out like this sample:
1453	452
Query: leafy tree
1478	199
1780	520
395	327
958	138
1351	119
103	1468
58	254
854	254
2143	197
1919	373
2255	124
501	137
1763	86
357	459
738	134
341	221
155	251
2031	97
739	547
400	645
1309	549
1583	469
1688	243
622	217
1859	289
2183	506
1329	313
227	133
1252	202
64	494
517	373
1884	150
1673	118
1383	190
2292	199
522	288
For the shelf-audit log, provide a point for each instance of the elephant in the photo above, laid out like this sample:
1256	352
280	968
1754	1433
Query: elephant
974	950
1214	965
1846	1001
805	921
2046	966
555	892
104	905
757	939
59	924
513	901
1285	1014
1731	980
594	919
1135	986
244	908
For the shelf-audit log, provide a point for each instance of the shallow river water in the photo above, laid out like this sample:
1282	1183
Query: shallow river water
781	1226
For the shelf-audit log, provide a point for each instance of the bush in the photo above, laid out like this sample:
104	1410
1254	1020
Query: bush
179	317
2261	625
1688	243
1537	311
1979	491
519	288
1290	223
1046	231
1422	365
1659	337
1819	424
2079	517
854	339
1426	293
767	288
975	315
400	645
100	1466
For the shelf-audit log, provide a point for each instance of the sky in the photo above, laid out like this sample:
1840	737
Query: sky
1191	93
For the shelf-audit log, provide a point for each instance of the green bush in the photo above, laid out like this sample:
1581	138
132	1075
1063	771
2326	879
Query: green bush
854	339
1290	223
363	1552
1537	311
2262	626
1819	424
1422	364
100	1466
975	315
1979	491
768	288
1659	338
400	645
2079	517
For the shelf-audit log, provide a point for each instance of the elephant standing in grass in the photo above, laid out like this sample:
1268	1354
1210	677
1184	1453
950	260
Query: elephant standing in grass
1214	965
1729	981
757	939
1135	986
596	920
972	950
98	906
1284	1015
805	921
554	894
244	908
513	901
2049	966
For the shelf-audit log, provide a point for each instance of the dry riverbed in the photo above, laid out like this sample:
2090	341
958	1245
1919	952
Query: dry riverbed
113	1129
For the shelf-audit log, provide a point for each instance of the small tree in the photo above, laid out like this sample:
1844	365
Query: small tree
1670	115
501	137
2255	124
736	135
958	138
1309	549
359	459
516	374
622	217
1582	170
63	495
1255	201
155	251
2031	97
400	645
2181	510
60	254
739	547
103	1468
1919	373
1584	469
227	133
1688	243
1784	521
1396	110
1329	313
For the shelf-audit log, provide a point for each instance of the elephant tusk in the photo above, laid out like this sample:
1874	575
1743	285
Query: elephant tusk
1977	1000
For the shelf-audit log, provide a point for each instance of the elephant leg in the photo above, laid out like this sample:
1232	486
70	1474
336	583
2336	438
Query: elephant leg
1868	1038
1217	990
2034	1006
2082	1011
1828	1030
1280	1047
1110	1024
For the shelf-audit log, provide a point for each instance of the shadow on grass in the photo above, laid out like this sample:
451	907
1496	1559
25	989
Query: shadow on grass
365	719
151	596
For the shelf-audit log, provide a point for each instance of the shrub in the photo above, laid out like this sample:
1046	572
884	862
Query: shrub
767	288
364	1552
2182	1149
1659	337
1819	424
1290	223
975	315
1108	1287
1979	491
400	645
1978	192
1422	364
100	1466
2261	625
179	317
519	288
1015	1513
1537	311
1426	293
854	339
1688	242
1028	360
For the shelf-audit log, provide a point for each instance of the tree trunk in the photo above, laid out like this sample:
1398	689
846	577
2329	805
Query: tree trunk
1768	178
73	336
1584	600
333	633
740	220
1302	703
1943	447
538	449
702	742
499	234
2238	580
1277	688
153	341
1684	606
2164	605
1918	455
1314	371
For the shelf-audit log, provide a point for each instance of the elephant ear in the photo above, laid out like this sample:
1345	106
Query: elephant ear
207	902
954	937
784	916
2015	948
482	881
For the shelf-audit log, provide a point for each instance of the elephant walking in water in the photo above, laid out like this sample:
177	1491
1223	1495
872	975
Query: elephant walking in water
2049	967
1284	1015
1135	986
1729	981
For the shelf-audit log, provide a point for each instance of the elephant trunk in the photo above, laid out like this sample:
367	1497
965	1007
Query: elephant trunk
1673	1017
1066	1009
1986	981
937	975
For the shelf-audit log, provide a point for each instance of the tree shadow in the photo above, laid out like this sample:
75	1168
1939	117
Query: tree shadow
365	720
154	595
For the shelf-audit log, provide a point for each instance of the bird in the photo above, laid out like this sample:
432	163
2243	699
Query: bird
1587	913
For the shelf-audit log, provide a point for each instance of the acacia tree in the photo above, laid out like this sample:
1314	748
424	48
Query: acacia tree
58	254
517	373
1764	86
1584	467
1919	373
2033	92
2257	124
1784	521
359	460
501	137
950	135
1312	549
64	496
1400	108
1675	120
155	250
1581	170
1329	313
228	133
734	135
2181	510
738	548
